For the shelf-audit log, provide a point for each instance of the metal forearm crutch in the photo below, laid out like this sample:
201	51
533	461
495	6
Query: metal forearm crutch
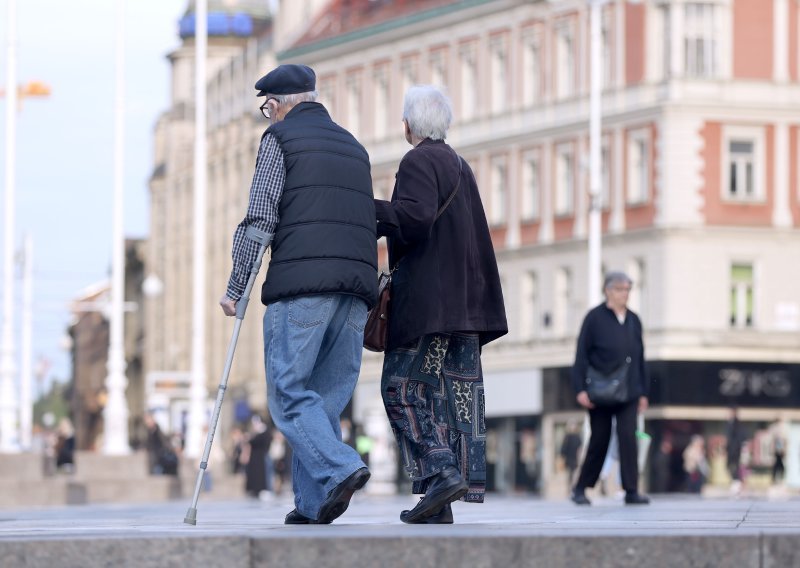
263	239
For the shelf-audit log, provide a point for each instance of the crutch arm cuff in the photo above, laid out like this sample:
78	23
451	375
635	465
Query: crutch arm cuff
261	237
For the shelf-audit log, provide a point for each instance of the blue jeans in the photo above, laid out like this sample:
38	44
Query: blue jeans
312	354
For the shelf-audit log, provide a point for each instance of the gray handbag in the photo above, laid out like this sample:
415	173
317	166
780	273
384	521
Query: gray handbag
608	389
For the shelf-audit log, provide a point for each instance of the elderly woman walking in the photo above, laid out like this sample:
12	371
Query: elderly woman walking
446	304
610	344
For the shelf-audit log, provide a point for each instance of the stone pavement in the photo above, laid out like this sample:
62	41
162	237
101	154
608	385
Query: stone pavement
503	532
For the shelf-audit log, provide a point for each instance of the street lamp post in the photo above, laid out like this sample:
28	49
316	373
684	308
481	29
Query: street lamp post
26	379
198	393
115	413
8	400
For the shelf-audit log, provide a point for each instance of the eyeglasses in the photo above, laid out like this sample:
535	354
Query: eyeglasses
265	109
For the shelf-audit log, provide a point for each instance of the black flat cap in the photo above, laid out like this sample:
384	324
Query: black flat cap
287	80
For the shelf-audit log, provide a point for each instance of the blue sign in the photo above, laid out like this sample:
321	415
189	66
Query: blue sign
219	24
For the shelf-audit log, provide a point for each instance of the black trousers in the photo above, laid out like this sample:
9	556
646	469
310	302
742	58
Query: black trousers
600	420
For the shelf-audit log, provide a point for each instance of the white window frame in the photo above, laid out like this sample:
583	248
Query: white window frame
438	66
606	165
756	135
530	319
563	289
564	198
565	60
380	111
498	65
638	182
468	79
531	185
741	289
607	40
498	205
532	68
703	29
354	104
409	70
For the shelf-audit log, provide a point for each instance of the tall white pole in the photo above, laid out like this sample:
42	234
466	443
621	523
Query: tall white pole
115	414
26	379
8	399
198	393
595	179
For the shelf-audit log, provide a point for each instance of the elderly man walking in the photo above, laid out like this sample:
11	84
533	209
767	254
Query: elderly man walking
312	193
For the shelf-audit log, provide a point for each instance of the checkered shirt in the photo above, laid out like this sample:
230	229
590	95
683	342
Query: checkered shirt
262	212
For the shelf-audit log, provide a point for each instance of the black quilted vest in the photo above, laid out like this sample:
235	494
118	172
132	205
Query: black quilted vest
325	241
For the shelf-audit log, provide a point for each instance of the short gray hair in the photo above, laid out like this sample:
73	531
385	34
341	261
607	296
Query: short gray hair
427	111
295	98
615	277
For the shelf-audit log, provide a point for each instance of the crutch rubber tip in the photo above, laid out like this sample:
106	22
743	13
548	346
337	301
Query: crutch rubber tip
191	516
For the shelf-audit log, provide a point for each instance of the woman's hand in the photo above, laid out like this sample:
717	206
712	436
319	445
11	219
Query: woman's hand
583	400
643	404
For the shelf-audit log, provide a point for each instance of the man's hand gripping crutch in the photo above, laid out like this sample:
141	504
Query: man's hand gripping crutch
263	239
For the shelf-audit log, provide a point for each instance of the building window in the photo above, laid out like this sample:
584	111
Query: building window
638	296
605	176
699	40
530	319
354	105
741	295
562	316
409	72
743	174
565	180
327	94
532	71
565	51
531	186
499	196
381	102
607	61
469	76
499	71
439	68
638	190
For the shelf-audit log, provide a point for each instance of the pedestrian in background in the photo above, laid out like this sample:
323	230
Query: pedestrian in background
312	195
446	304
734	440
570	450
695	464
610	337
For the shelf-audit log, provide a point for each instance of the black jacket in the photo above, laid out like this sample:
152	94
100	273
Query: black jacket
325	239
447	278
604	344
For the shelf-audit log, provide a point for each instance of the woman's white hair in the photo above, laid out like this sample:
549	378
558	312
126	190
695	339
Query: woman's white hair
428	112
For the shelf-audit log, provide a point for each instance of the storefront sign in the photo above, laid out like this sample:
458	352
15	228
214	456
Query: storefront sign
723	384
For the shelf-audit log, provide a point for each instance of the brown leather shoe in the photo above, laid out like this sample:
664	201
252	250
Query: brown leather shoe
443	517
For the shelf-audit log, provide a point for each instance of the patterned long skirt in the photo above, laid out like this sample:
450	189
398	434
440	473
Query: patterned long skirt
433	393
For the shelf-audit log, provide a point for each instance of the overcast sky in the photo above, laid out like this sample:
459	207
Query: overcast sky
65	144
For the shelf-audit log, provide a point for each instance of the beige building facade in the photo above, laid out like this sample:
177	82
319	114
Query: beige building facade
701	196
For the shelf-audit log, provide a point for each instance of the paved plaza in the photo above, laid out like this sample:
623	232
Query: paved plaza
505	531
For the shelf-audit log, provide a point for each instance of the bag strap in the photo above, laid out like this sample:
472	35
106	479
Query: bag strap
444	205
453	194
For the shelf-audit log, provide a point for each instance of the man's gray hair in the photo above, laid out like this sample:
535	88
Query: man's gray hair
294	99
428	112
616	277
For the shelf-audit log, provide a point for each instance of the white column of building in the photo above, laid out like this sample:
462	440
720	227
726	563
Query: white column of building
780	41
26	378
781	212
8	399
676	39
595	175
198	393
115	414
